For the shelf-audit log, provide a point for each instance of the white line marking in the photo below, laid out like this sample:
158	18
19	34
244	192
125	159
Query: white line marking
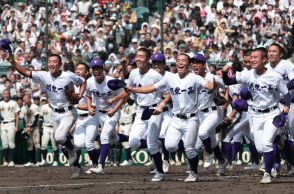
64	185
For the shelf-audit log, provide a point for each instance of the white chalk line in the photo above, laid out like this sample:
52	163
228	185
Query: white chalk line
64	185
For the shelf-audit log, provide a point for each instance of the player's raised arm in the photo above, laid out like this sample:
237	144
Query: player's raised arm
20	69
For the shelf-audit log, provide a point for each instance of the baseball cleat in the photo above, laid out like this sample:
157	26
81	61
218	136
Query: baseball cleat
42	163
165	166
230	167
153	171
222	168
28	164
266	179
291	170
172	162
200	163
97	170
11	164
55	163
252	167
193	177
208	161
124	163
5	164
76	172
72	156
261	170
178	163
158	177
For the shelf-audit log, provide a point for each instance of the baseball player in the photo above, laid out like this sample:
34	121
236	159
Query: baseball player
140	77
210	115
103	114
286	70
45	123
85	134
9	111
242	122
265	86
64	113
158	64
30	112
184	90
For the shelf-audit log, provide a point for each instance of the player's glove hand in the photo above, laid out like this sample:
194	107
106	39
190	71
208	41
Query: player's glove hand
91	110
219	99
223	125
279	120
71	96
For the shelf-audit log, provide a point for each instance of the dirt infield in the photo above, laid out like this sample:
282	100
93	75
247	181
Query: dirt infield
136	180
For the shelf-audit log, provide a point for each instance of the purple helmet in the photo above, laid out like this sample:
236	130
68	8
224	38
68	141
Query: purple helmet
96	63
158	57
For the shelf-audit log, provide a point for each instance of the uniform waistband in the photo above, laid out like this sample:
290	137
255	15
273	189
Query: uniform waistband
153	105
265	110
62	110
209	109
6	122
185	116
83	115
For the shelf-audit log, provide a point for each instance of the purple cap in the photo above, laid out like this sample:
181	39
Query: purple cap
279	120
240	105
199	58
245	94
96	63
5	44
158	57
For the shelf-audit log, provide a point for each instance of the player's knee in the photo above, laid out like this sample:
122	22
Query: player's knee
89	145
267	146
12	145
171	147
37	146
135	143
79	144
190	152
259	148
126	145
203	134
153	149
59	138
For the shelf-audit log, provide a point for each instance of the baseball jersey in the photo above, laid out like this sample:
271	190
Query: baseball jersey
265	88
100	93
55	86
46	113
136	79
286	70
82	101
127	112
184	92
8	110
29	113
205	98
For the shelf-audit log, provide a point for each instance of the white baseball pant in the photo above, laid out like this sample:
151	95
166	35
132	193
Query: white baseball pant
264	132
34	139
150	127
166	118
185	129
8	135
125	129
48	135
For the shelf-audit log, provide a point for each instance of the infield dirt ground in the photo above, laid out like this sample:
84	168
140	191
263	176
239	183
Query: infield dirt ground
136	180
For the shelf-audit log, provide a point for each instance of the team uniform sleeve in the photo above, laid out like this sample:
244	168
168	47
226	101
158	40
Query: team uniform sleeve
220	82
36	110
39	77
200	81
161	85
241	77
77	80
131	80
88	89
282	87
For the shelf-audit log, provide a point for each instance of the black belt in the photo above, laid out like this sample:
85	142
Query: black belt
6	122
51	126
185	116
153	105
62	110
165	109
209	109
83	115
103	111
265	110
125	123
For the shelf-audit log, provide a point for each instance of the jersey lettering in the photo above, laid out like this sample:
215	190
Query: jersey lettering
178	91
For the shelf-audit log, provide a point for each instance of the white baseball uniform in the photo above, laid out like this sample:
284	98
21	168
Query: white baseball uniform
151	100
265	90
48	130
8	111
286	70
29	115
64	114
184	124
